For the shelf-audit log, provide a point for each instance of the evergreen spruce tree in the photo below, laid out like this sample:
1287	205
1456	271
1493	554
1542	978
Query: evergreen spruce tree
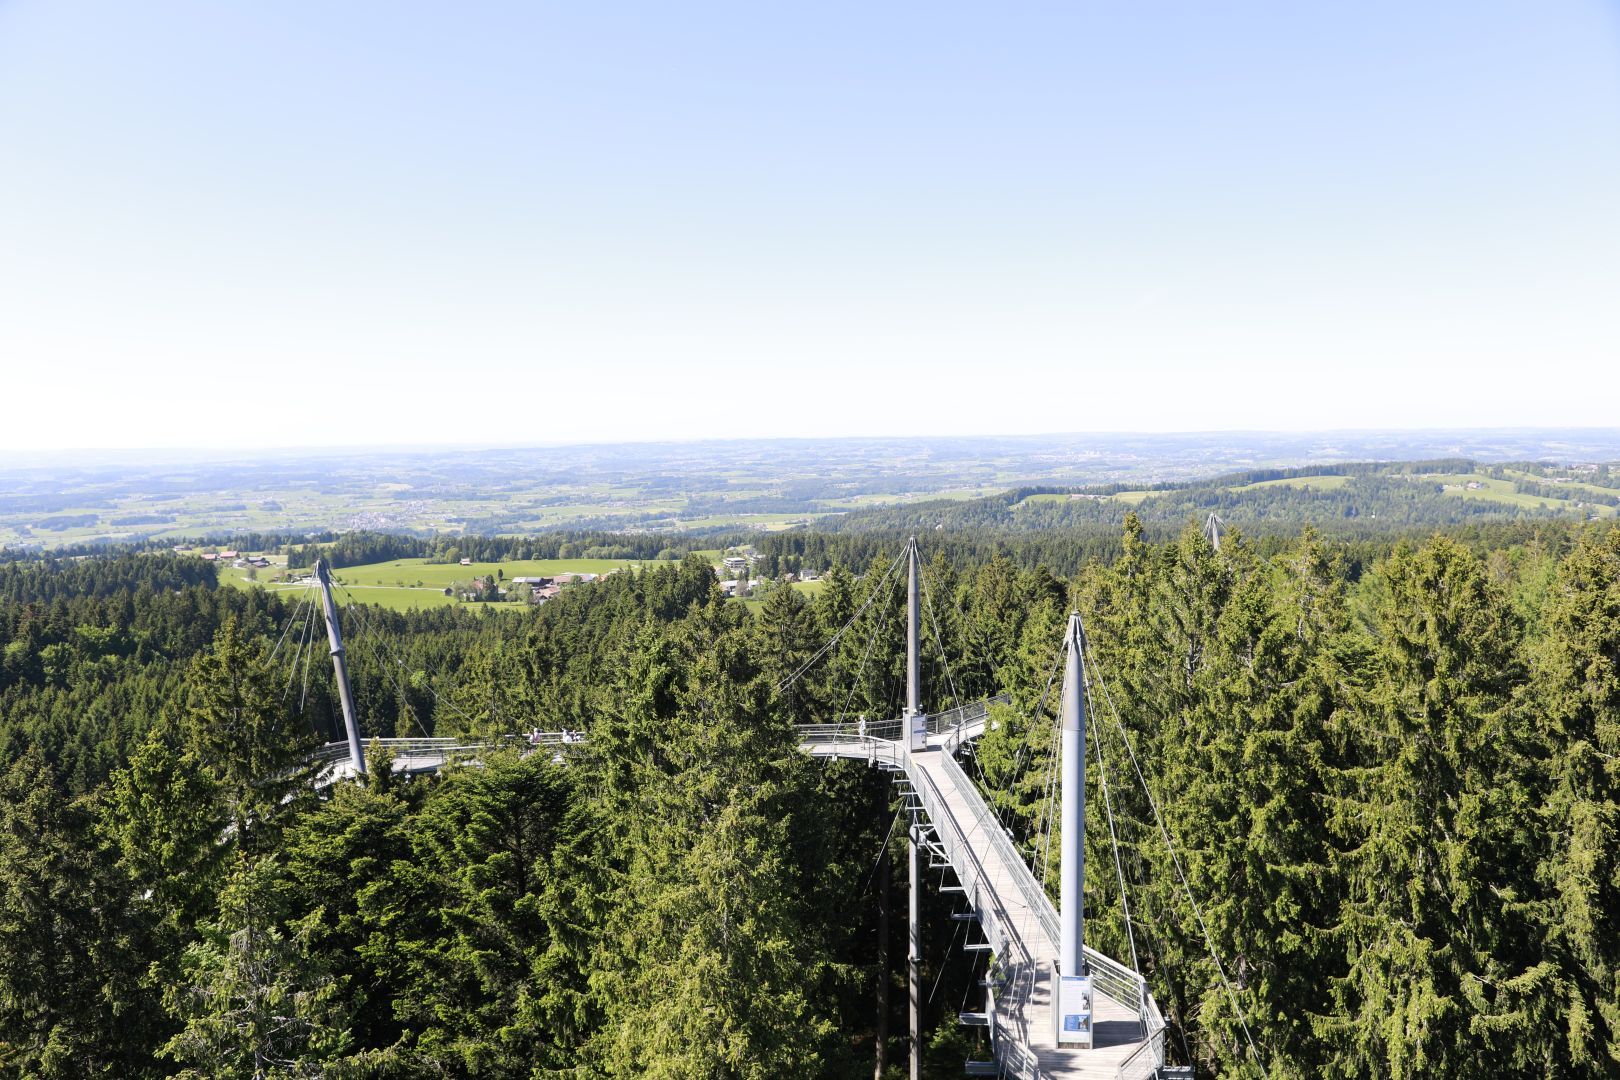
71	946
1577	699
1448	971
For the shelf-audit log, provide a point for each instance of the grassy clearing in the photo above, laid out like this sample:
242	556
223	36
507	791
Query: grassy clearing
1501	491
410	584
414	573
1130	498
1576	488
809	588
392	599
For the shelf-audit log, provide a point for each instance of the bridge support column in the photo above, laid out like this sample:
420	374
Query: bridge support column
916	724
914	955
1072	870
334	637
885	883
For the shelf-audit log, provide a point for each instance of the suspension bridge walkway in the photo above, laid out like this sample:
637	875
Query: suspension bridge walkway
1112	1029
957	831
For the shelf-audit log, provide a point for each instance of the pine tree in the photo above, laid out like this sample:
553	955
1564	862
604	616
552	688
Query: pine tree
244	738
702	951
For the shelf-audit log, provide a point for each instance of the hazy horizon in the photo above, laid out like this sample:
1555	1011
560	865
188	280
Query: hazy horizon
72	456
371	224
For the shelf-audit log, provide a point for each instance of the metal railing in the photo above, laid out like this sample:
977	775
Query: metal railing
985	822
847	745
952	720
434	753
1016	1059
1113	978
888	730
1146	1060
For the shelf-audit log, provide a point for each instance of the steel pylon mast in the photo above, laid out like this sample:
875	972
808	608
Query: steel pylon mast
1072	873
914	719
334	637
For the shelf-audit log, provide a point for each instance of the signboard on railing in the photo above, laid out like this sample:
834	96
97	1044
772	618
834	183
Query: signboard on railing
1074	1011
919	731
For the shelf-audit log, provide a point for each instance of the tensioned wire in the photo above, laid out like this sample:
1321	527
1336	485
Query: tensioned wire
808	664
1209	942
1108	805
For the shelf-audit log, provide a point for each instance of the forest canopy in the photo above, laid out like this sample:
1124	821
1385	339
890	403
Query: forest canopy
1390	769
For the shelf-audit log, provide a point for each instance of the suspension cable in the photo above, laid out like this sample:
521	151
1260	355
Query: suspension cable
1049	802
1113	835
309	652
298	610
302	644
1023	747
933	620
808	664
871	640
1209	941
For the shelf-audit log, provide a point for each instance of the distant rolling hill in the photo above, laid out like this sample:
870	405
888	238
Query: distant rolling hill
1356	497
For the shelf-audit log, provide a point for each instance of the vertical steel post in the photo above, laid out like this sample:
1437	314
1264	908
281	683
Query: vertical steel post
1071	905
913	652
334	637
885	884
914	956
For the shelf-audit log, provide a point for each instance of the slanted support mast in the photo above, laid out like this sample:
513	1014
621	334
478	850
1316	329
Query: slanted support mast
334	637
1071	906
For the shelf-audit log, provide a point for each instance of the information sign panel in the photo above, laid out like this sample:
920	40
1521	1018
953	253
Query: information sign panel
1074	1010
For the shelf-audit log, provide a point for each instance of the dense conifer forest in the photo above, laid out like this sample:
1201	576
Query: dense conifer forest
1390	766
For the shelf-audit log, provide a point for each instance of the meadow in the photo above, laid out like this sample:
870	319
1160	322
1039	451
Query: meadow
413	584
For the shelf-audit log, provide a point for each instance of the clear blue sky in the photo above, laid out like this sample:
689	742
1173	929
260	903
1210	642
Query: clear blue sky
288	223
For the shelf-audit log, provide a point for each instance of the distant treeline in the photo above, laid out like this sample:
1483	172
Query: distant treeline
1066	551
1374	499
362	547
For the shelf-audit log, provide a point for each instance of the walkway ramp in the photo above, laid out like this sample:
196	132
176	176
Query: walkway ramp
1018	920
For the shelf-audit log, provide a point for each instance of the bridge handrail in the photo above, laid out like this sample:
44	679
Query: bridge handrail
886	730
986	822
1146	1060
1119	982
952	720
1016	1059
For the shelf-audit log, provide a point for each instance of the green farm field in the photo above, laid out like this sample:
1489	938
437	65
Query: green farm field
809	588
1501	491
407	573
409	584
